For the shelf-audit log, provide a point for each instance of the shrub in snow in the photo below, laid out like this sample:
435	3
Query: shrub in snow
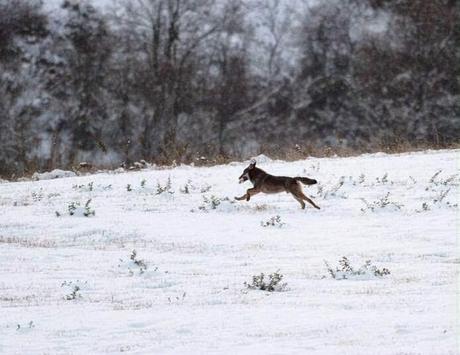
435	180
438	201
188	187
29	325
55	174
74	294
140	264
214	202
205	188
177	298
167	188
383	202
75	209
383	180
441	196
271	284
134	264
88	187
73	289
185	189
37	196
436	185
129	188
425	207
346	271
274	221
434	177
333	191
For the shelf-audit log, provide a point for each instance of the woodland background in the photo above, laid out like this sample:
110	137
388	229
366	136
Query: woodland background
180	80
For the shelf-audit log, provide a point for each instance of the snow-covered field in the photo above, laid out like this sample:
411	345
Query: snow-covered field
68	283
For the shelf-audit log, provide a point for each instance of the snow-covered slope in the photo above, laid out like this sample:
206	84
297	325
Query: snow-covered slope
70	284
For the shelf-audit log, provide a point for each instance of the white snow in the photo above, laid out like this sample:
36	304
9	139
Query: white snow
70	284
54	174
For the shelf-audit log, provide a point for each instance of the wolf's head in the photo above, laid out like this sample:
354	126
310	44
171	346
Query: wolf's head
245	176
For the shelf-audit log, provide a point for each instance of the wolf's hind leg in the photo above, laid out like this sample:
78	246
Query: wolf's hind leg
299	195
300	201
310	201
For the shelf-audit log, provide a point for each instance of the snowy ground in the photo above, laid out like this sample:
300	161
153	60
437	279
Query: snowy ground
190	295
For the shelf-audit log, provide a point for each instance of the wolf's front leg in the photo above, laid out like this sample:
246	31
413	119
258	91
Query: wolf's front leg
241	198
248	194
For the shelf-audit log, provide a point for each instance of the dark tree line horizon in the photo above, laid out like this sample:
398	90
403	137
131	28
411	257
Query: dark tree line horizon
172	80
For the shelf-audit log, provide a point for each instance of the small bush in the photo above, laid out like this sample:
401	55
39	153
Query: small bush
88	187
212	202
165	188
333	191
185	189
436	180
383	202
134	265
188	187
383	180
270	284
74	288
346	271
205	188
438	201
138	262
274	221
75	209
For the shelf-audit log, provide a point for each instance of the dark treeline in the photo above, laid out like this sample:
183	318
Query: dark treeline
165	80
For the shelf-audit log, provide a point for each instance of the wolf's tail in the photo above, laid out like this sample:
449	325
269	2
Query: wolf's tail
306	181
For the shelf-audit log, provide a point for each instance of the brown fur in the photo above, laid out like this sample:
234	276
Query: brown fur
269	184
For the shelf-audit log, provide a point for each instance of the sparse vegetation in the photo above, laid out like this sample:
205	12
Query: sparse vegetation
138	262
37	196
205	188
383	180
135	265
382	203
177	299
212	202
274	221
166	188
75	209
272	283
187	187
333	191
30	325
84	187
440	189
75	289
346	271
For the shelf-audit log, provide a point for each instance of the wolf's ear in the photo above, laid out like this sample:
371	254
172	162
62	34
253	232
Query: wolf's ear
252	163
